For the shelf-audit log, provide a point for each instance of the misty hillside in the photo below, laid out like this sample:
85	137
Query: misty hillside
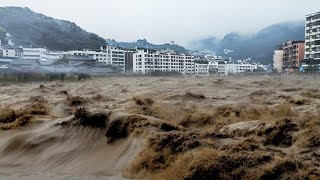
28	28
258	46
3	34
142	43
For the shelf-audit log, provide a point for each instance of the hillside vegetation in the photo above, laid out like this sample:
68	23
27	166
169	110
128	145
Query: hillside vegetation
28	28
143	43
258	46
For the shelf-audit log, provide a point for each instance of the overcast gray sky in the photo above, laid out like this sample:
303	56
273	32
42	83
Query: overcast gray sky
161	21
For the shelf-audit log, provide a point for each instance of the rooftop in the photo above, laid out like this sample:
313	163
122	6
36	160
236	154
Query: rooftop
77	57
312	14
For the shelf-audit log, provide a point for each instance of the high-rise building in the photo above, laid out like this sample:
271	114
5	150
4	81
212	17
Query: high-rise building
312	44
293	54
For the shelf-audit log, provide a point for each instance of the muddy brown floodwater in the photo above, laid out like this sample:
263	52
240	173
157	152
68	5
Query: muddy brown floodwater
248	127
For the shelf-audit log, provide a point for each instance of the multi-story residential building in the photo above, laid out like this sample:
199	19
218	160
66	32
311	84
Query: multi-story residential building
30	53
116	57
129	60
312	39
35	54
201	69
278	60
238	68
218	67
147	61
110	55
225	68
11	52
293	54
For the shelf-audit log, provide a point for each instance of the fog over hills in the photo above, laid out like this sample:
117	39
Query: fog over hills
29	28
258	46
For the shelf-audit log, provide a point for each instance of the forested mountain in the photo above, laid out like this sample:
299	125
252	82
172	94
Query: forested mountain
28	28
259	46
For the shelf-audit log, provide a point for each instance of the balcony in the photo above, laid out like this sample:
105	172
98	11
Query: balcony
315	46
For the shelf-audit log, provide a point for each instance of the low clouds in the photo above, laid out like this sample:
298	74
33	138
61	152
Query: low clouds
165	20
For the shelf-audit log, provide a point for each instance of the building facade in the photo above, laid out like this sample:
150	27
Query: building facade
12	52
41	54
278	60
312	38
147	61
201	69
293	54
116	57
35	54
100	56
109	55
226	68
238	68
129	60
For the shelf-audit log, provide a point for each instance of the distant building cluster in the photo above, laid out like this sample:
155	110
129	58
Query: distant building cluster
41	54
226	68
67	65
291	56
110	59
129	61
297	55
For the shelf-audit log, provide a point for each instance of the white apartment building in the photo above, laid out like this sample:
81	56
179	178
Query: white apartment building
116	57
31	53
312	39
12	52
111	55
201	69
35	54
218	67
145	61
225	68
236	68
278	60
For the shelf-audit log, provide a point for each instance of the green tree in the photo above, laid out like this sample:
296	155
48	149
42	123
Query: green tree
311	69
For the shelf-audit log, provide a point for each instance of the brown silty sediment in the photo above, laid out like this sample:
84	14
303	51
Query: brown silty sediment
250	127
